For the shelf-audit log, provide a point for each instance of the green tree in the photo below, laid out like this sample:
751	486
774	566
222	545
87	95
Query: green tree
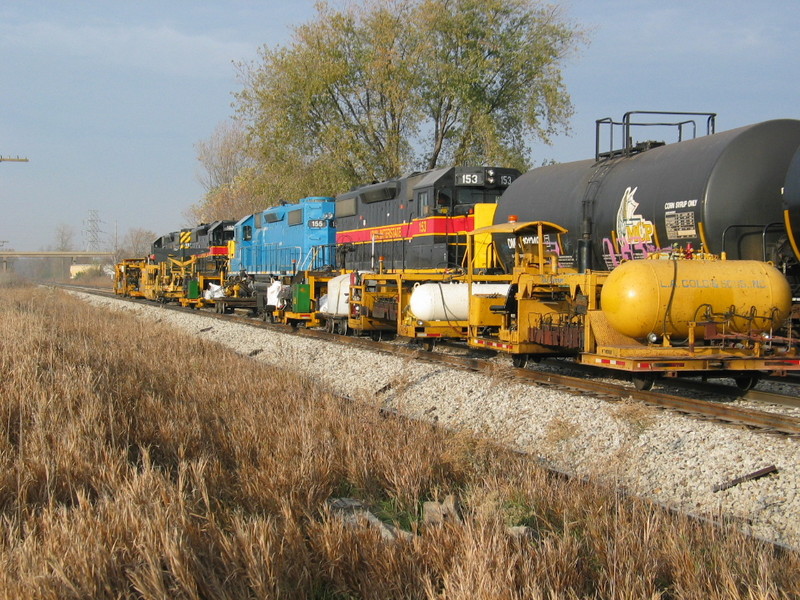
374	90
490	78
336	101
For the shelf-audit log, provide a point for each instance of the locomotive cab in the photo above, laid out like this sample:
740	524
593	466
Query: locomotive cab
418	221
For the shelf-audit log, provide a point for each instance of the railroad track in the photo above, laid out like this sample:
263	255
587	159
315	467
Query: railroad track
762	420
706	409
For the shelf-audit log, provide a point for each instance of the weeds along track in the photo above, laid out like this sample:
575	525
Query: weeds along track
131	469
668	457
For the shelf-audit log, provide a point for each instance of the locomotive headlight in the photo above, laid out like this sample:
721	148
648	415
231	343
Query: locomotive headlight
490	172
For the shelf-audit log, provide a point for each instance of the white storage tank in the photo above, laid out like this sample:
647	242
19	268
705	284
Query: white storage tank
339	295
449	301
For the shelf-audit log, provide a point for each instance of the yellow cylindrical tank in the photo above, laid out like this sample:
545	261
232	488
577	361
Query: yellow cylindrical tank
662	296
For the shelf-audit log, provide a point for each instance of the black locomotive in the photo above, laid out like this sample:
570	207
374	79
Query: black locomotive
418	221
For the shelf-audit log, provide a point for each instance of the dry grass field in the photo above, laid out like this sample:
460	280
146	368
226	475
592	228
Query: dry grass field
141	463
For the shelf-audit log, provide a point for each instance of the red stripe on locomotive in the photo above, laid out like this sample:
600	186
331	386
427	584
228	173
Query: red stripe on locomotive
404	231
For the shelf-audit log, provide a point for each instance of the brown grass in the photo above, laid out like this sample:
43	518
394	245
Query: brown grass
136	462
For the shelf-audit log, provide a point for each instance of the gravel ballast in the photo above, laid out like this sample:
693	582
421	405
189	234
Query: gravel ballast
670	458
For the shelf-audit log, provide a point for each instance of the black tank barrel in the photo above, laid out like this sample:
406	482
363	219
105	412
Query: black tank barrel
697	192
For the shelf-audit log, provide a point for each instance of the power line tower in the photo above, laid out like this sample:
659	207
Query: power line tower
93	231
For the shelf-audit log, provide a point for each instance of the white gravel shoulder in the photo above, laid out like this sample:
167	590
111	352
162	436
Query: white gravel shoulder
672	459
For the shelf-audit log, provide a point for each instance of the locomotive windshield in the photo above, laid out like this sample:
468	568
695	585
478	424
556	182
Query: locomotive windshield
475	196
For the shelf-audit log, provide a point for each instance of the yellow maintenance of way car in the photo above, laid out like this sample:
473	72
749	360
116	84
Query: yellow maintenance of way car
651	318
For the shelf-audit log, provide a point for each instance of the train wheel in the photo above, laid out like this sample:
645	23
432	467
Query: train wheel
519	360
746	381
375	336
429	345
643	382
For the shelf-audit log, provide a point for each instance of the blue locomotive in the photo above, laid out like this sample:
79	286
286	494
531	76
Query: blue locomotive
285	239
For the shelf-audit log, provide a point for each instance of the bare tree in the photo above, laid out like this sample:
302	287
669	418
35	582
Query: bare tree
223	155
64	238
136	243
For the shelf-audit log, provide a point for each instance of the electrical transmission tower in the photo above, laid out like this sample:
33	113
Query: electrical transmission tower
93	231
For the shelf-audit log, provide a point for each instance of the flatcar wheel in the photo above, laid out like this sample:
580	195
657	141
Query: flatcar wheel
746	381
519	360
643	383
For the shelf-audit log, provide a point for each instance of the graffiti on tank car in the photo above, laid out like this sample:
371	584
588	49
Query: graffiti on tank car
627	251
635	234
632	228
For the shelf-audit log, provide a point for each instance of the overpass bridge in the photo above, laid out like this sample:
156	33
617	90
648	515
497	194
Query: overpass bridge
73	254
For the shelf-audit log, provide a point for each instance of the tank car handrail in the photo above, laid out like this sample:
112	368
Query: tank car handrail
627	145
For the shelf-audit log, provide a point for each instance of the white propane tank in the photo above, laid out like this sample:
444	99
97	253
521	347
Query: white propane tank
339	295
449	301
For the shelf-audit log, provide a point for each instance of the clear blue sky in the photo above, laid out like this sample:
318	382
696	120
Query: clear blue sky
108	99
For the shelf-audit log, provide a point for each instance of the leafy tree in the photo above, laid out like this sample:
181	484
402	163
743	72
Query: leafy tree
336	102
490	78
374	90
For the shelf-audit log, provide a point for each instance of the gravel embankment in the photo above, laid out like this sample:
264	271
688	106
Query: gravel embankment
672	459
